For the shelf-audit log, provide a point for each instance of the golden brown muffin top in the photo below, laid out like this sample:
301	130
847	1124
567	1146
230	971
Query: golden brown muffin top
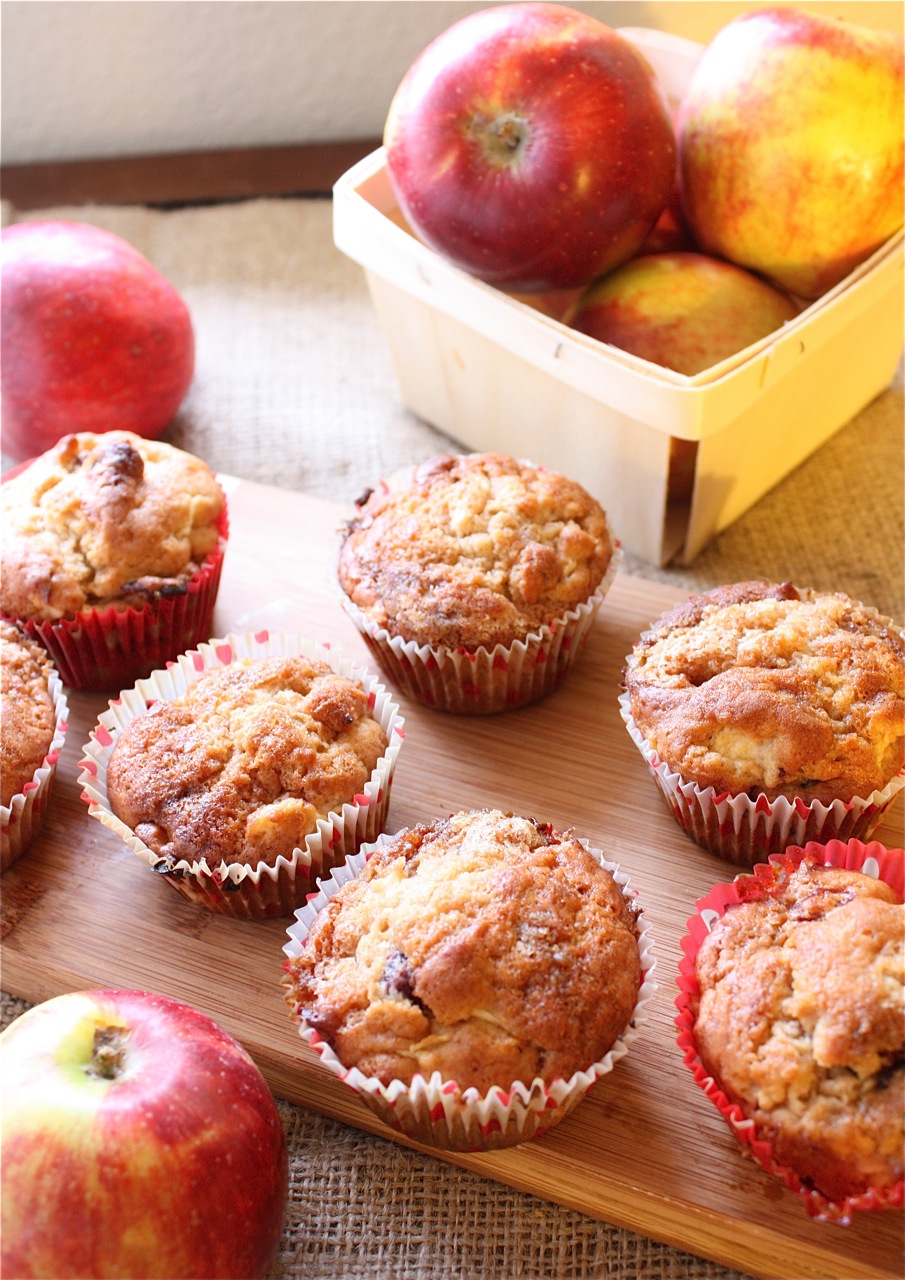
477	550
757	687
28	715
104	519
801	1018
487	947
240	768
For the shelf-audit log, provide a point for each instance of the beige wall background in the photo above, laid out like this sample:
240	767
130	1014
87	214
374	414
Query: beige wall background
95	78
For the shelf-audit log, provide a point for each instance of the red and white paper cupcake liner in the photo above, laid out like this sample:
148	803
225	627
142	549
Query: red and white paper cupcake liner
872	859
263	890
23	817
744	830
438	1112
483	681
104	649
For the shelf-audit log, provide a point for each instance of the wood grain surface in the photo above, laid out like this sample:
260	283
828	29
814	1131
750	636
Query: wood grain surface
645	1149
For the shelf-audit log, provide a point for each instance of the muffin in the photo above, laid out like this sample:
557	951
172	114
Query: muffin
472	976
793	1019
33	710
113	546
246	769
475	581
770	715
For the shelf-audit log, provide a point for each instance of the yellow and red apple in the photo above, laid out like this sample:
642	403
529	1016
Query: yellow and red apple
94	337
138	1139
791	146
532	146
683	311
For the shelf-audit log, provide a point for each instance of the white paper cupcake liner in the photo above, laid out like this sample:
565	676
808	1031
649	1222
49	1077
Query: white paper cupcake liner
873	859
23	817
744	830
436	1111
238	889
485	681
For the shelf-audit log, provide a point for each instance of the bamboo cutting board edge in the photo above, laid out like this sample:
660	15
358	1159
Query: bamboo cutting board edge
616	1157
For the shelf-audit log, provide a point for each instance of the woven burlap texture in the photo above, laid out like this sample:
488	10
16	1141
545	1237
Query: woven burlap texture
294	387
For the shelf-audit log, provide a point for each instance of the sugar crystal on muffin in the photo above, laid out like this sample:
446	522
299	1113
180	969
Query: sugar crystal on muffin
29	715
243	765
761	688
477	550
800	1017
487	947
104	519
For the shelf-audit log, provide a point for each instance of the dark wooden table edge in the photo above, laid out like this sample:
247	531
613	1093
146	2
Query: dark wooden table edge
181	178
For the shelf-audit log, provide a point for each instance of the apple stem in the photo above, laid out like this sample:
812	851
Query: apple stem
501	137
107	1057
509	133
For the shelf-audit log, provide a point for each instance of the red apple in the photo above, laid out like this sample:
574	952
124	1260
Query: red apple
532	146
138	1139
684	311
94	338
791	146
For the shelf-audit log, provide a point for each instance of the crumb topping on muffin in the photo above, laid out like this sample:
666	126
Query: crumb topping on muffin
104	519
487	947
478	550
762	688
801	1019
241	767
29	718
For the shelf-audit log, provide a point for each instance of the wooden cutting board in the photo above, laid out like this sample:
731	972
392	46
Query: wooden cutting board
645	1149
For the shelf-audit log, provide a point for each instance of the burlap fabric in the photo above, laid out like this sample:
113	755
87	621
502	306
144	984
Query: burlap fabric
294	388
